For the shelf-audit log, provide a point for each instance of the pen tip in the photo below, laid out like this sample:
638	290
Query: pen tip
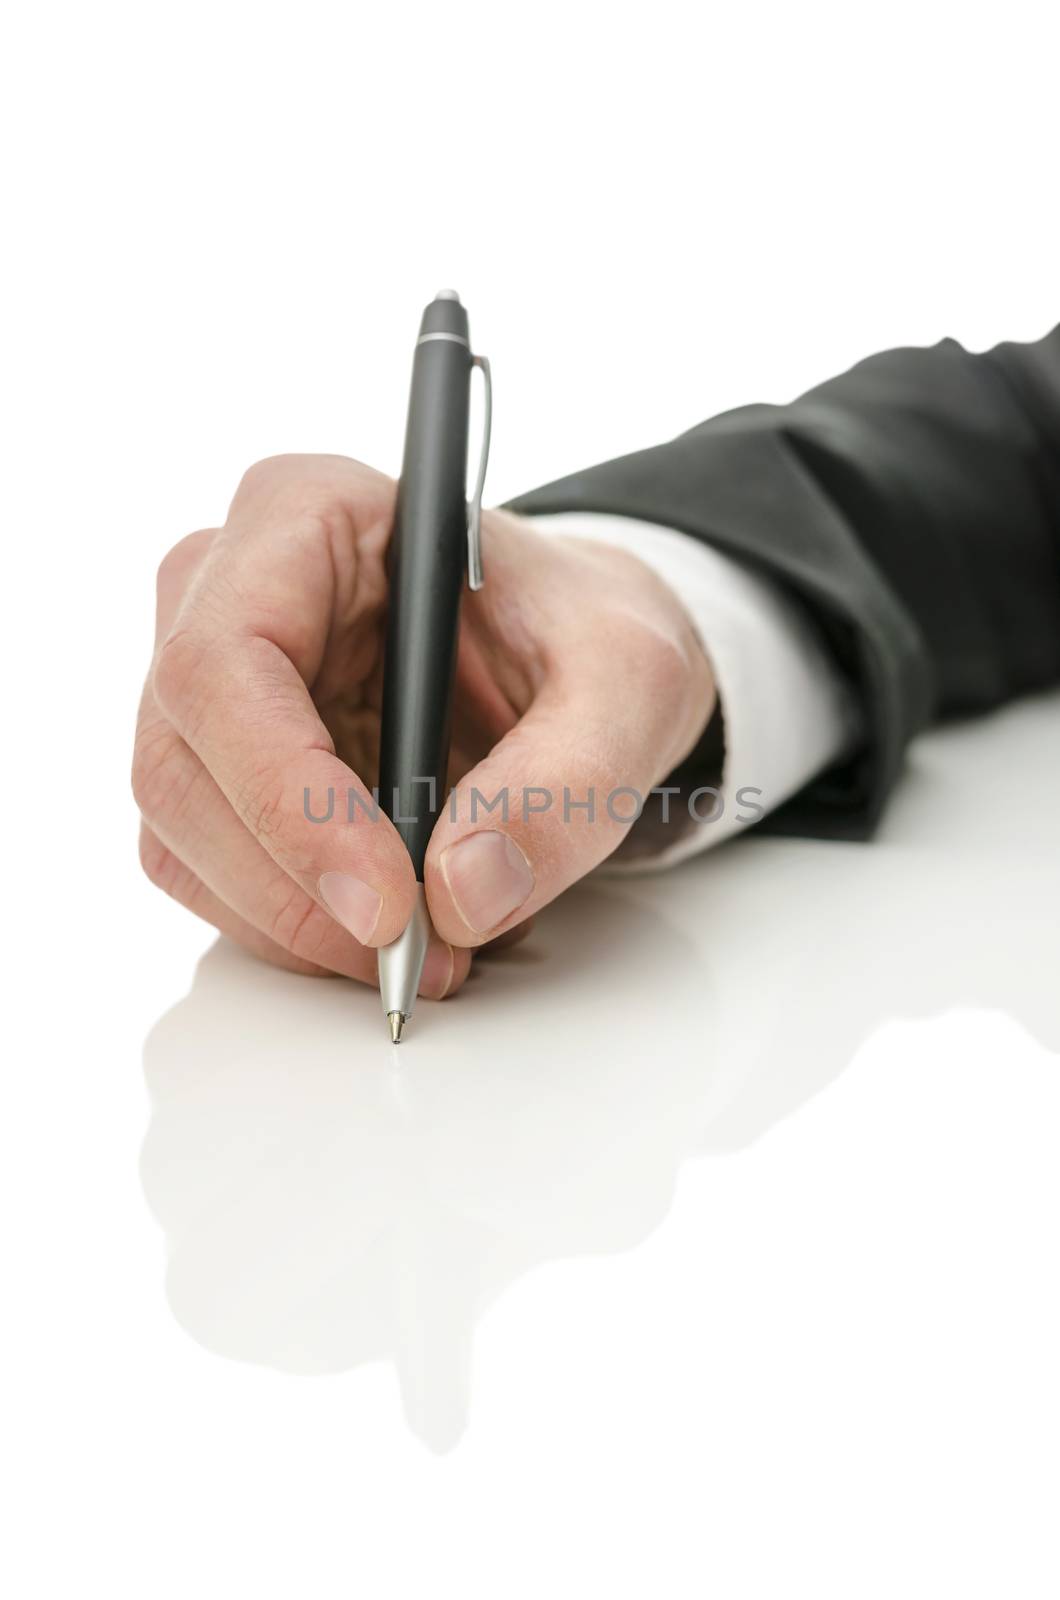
448	294
396	1020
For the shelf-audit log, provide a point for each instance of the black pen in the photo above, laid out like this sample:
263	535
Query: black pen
436	537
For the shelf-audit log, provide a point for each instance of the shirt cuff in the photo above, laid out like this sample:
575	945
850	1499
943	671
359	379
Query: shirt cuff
787	711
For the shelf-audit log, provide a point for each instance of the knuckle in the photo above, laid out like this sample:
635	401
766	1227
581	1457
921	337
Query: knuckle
154	857
261	806
160	866
309	496
270	805
297	923
169	873
175	673
263	476
177	564
155	775
141	779
283	479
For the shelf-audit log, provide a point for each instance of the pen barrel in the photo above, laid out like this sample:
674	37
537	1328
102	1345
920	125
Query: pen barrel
426	564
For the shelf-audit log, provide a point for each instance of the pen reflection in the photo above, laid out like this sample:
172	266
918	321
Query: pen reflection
329	1201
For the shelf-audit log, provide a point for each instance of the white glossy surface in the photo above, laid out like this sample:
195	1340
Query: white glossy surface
708	1239
714	1234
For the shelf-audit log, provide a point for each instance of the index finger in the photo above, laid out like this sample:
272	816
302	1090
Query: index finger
233	673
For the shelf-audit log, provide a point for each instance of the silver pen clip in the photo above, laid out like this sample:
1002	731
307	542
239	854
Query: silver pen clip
474	505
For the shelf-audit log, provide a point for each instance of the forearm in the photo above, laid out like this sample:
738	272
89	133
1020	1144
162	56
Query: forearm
911	506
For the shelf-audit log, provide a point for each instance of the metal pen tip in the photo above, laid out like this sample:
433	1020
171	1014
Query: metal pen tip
396	1020
448	294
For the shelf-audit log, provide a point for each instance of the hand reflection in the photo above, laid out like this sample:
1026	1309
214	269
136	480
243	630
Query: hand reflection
329	1201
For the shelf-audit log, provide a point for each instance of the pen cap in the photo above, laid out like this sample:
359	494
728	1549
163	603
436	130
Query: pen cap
445	314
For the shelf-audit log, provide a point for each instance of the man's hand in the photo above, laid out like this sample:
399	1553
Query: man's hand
578	671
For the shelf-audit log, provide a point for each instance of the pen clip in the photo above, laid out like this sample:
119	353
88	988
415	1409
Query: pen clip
474	505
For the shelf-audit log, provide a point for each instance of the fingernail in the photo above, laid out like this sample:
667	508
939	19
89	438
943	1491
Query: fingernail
353	903
437	972
488	877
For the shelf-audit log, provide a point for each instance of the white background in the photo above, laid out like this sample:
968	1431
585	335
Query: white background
832	1371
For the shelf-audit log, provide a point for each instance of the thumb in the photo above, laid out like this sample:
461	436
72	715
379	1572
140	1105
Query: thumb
559	792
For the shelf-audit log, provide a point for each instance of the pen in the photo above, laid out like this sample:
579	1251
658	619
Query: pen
435	538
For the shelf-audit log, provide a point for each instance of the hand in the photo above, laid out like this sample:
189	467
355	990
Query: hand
578	669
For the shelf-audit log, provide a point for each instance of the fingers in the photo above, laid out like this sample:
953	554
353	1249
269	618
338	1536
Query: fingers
168	873
444	971
611	719
302	547
197	850
264	830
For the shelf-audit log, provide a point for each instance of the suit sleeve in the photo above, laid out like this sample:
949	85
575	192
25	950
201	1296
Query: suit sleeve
912	505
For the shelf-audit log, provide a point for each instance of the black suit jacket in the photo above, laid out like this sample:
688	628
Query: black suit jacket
913	504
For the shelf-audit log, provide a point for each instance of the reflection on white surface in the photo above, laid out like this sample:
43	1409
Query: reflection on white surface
328	1201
